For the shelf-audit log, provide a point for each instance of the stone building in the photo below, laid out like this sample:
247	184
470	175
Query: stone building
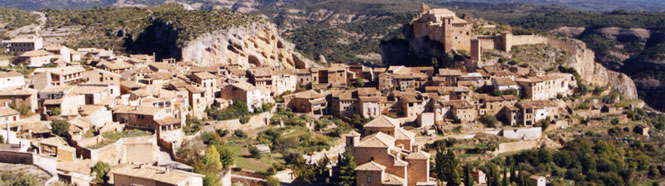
442	25
148	175
309	101
21	45
11	80
250	94
385	155
546	86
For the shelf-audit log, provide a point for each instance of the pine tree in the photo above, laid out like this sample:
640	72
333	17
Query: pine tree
468	179
505	177
347	171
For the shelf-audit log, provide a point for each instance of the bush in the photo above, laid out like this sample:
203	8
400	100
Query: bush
102	169
55	111
192	125
254	152
272	181
239	133
210	138
222	132
244	120
615	121
545	123
489	121
60	127
236	110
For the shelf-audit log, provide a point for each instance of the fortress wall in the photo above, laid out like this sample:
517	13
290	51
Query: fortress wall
487	43
528	40
566	45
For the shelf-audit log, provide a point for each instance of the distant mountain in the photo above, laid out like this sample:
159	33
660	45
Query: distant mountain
251	5
596	5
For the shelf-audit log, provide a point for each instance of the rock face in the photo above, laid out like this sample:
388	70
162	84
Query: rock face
258	44
583	60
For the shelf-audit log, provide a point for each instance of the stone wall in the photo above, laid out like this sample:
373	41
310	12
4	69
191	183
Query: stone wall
139	149
517	146
527	40
256	121
47	164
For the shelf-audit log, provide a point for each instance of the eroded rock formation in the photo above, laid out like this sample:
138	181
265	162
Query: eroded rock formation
258	44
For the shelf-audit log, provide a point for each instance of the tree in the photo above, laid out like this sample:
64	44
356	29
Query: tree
55	111
101	169
489	121
209	165
447	167
505	177
255	152
239	133
468	179
347	170
493	175
244	120
226	156
358	82
60	127
272	181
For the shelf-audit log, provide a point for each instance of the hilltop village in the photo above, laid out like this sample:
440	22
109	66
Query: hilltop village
91	116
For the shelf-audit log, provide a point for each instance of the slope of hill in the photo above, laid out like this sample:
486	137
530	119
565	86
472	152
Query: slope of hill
122	28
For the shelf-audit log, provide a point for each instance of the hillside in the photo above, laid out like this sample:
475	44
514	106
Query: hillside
12	19
124	29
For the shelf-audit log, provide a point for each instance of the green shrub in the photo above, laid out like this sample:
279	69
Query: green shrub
254	152
239	133
489	121
244	120
60	127
272	181
102	169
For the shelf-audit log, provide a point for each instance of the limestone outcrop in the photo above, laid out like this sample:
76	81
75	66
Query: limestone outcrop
583	60
257	44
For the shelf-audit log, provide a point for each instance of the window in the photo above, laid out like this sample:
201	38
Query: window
369	179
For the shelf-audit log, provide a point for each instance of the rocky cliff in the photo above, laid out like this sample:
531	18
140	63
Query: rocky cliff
596	74
257	44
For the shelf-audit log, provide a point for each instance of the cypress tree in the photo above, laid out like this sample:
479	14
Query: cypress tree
505	177
347	172
468	179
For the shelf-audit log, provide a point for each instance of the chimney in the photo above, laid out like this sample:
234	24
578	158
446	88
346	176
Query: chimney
416	148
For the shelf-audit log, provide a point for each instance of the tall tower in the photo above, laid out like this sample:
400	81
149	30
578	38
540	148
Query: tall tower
424	8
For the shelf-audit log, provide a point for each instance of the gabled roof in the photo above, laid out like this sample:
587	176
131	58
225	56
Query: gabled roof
167	121
371	166
244	86
204	75
149	172
504	82
420	155
365	91
10	74
309	94
36	53
390	179
383	121
379	139
402	134
6	111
